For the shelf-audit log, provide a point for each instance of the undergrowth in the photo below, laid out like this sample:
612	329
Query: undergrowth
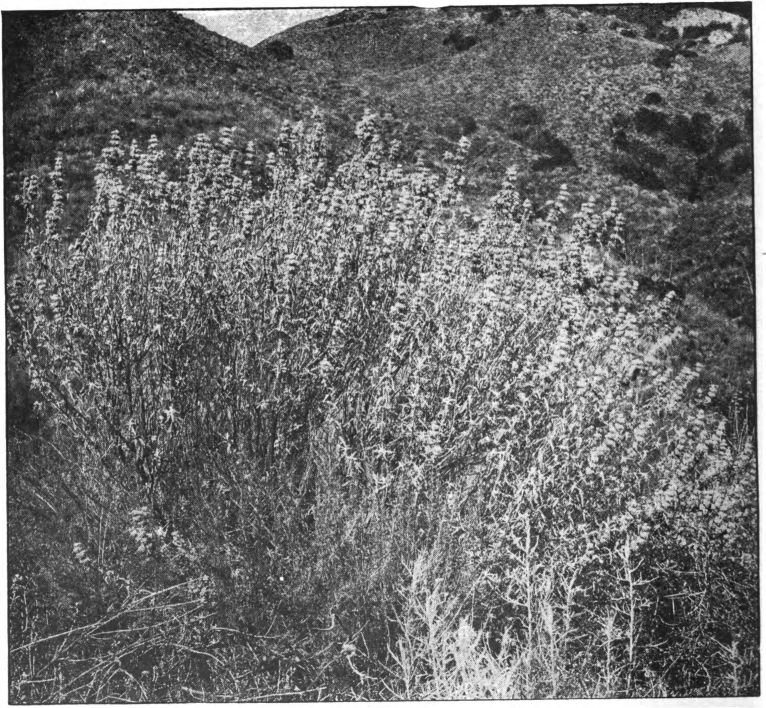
343	438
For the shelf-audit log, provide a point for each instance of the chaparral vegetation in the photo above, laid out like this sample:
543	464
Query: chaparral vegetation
334	434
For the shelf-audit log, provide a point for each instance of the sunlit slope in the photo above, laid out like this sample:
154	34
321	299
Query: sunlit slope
622	106
609	105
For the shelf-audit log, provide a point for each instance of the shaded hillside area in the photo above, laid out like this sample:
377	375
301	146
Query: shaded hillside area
613	101
70	78
76	75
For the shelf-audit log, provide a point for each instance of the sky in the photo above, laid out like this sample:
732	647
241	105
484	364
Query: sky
252	26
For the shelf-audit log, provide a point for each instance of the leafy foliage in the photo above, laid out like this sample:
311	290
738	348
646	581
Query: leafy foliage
350	431
650	121
461	42
492	15
280	50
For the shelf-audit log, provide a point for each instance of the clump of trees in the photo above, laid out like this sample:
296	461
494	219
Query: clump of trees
653	98
280	50
492	15
461	42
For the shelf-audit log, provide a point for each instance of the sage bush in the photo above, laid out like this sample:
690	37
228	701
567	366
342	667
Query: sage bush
337	435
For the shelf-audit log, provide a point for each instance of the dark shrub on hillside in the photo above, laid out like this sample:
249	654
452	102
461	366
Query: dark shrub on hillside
677	130
459	41
638	156
523	118
620	140
710	99
340	19
698	31
492	15
741	162
646	153
555	152
705	177
650	34
653	99
663	34
653	25
581	27
468	125
693	133
725	26
465	43
708	164
525	115
280	50
621	120
450	130
455	129
729	135
663	59
688	53
633	170
700	138
695	31
740	35
650	121
520	133
627	32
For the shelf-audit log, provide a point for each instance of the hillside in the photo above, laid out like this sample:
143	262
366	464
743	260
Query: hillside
614	105
73	77
568	96
77	74
491	76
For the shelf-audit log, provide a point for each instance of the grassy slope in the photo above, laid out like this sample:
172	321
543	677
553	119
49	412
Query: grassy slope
398	64
100	71
141	73
158	72
688	203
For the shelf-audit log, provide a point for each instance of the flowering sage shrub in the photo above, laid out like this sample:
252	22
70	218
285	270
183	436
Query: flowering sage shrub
359	334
